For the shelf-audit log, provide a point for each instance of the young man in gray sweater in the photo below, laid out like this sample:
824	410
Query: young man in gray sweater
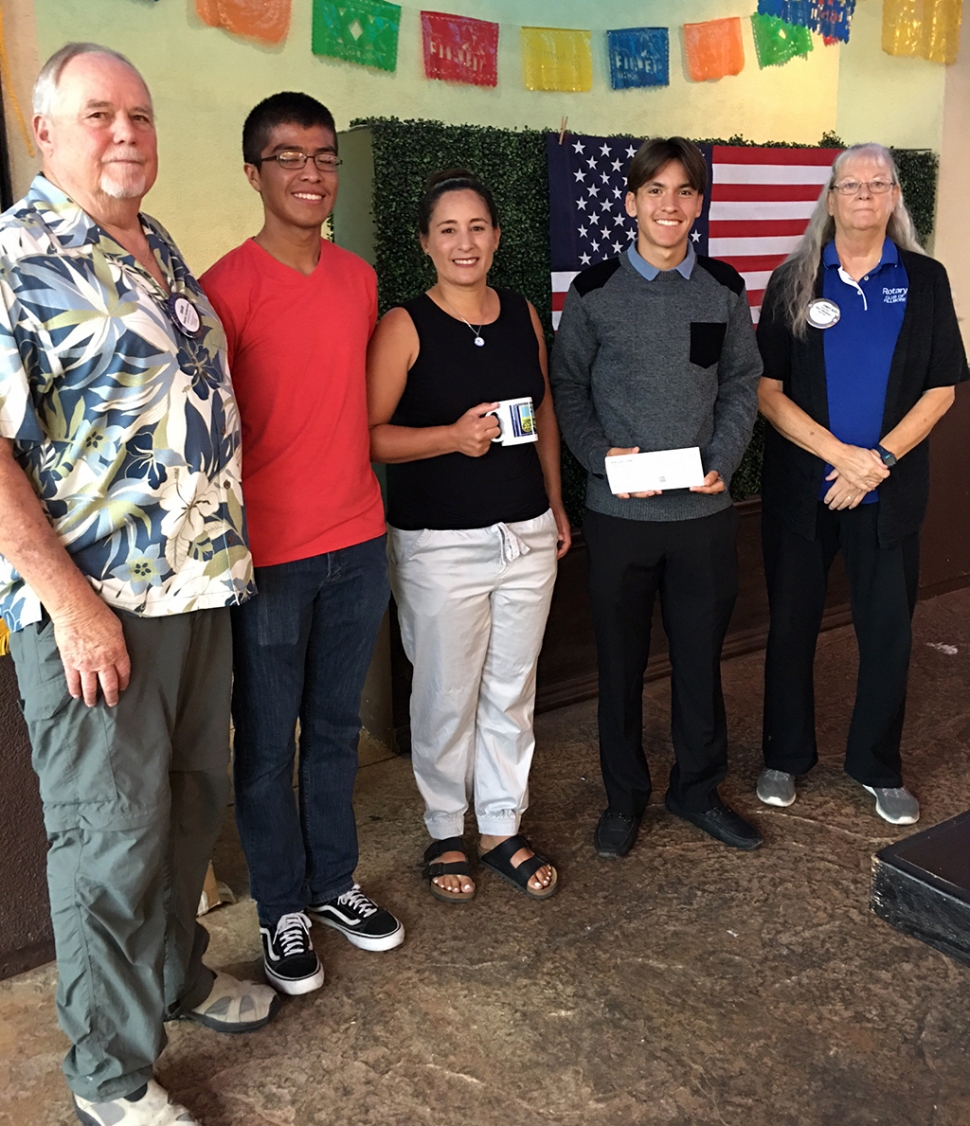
656	351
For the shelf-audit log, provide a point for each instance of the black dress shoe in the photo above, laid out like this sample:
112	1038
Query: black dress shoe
615	833
722	823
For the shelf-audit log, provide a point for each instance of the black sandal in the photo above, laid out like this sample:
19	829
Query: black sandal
451	868
499	859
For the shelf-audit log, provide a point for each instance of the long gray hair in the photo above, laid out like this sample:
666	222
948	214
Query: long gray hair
797	273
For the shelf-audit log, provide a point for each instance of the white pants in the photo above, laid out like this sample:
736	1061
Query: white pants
472	605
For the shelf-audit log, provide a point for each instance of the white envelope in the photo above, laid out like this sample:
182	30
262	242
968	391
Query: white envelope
662	469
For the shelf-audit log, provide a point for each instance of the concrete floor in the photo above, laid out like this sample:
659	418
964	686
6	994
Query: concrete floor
689	984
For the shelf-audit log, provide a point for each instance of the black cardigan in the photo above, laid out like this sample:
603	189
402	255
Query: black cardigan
929	353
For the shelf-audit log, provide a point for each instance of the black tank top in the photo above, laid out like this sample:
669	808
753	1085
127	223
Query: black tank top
451	375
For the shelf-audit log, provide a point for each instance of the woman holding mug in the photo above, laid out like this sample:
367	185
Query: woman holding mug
460	412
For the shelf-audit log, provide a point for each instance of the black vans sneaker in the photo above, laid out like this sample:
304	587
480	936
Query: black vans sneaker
360	919
291	963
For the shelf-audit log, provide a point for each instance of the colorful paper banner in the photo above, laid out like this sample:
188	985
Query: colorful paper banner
777	42
829	18
639	56
555	58
267	20
928	29
357	31
714	49
460	49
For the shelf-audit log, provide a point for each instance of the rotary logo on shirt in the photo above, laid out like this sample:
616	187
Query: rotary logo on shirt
894	296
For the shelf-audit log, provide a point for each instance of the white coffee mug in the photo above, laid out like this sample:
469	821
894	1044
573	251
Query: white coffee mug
516	421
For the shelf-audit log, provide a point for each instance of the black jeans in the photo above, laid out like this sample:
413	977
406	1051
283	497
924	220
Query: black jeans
301	650
693	565
883	583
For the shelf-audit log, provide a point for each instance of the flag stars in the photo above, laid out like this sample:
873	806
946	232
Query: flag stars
617	166
617	248
605	205
595	245
585	259
605	149
618	220
604	178
593	190
582	232
617	192
581	203
580	175
579	147
695	236
591	162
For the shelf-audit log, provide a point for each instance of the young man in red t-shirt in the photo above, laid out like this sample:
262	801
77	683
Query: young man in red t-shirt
298	312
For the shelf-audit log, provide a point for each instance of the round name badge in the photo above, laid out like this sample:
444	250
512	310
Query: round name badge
823	313
185	314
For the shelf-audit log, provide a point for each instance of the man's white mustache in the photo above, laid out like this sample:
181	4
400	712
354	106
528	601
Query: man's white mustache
124	156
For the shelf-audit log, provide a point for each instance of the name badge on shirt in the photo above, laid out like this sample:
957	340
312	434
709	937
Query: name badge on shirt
823	313
184	314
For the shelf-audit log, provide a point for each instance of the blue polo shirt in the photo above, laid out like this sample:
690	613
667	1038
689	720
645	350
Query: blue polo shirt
859	347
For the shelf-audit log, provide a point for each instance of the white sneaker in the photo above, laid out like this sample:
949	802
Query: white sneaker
897	806
235	1006
775	787
153	1108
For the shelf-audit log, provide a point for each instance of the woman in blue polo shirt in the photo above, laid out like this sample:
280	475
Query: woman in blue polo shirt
861	351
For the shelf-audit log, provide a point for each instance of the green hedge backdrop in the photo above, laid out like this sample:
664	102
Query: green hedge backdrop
513	164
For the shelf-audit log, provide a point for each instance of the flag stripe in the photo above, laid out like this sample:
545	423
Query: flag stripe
732	247
744	154
761	210
751	263
751	192
755	280
770	174
767	228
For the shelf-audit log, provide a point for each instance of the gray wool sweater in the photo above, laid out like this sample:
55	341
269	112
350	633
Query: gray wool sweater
659	364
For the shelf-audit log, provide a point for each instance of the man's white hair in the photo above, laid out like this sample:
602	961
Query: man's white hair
46	86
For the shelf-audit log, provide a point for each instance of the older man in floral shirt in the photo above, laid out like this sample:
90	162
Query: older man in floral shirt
122	547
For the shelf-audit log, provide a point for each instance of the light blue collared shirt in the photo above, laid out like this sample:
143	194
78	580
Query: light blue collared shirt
642	266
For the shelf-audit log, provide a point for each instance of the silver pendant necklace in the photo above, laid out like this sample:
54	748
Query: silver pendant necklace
476	332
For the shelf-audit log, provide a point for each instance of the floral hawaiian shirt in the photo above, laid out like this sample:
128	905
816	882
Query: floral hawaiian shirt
125	424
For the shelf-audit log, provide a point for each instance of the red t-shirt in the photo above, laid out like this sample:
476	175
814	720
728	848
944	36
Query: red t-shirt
297	348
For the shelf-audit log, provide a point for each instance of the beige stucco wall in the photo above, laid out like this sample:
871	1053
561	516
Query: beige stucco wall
21	38
952	244
204	81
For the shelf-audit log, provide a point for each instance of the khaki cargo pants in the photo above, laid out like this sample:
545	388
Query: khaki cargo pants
133	800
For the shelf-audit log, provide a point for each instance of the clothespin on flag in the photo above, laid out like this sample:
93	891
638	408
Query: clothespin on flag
563	122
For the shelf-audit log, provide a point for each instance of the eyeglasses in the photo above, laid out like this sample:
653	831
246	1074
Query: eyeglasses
291	160
853	187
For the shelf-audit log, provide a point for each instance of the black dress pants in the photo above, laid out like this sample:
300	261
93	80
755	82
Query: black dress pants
693	565
883	584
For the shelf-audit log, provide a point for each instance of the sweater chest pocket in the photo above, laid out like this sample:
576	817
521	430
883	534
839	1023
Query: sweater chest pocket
706	342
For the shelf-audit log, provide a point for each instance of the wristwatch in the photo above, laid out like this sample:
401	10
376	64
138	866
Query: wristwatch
888	459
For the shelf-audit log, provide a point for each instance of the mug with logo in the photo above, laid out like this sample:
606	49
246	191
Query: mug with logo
516	421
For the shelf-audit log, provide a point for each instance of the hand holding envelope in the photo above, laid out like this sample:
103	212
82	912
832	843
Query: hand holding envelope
633	474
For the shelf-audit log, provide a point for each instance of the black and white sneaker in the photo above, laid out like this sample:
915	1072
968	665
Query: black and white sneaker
291	963
360	919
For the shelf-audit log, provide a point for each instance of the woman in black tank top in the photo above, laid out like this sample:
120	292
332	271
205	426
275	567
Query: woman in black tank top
475	527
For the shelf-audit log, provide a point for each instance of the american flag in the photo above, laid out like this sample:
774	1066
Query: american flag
756	209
